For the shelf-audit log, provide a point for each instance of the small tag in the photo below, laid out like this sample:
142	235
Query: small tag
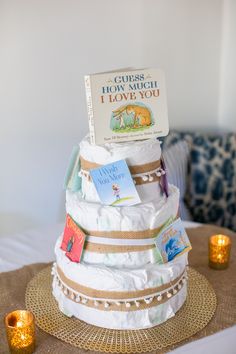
114	184
172	240
73	240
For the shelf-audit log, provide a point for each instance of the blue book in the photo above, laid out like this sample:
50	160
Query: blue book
172	240
114	184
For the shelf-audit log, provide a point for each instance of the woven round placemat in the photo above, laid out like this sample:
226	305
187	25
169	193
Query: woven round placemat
191	318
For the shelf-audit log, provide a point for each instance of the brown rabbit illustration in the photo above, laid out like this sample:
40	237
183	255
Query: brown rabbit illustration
142	115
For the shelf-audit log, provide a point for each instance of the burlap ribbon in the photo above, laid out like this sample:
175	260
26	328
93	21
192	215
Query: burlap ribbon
13	286
99	248
147	235
115	295
97	298
138	234
134	170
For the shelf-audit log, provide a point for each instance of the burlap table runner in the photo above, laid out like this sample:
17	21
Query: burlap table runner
13	285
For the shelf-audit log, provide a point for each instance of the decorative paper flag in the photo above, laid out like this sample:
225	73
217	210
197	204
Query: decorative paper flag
114	184
164	181
72	180
172	240
73	240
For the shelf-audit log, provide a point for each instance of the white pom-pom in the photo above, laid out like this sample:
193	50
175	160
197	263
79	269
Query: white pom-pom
174	291
163	172
150	178
118	303
179	286
144	178
158	174
84	301
168	295
127	304
106	305
96	303
159	297
77	299
53	270
137	303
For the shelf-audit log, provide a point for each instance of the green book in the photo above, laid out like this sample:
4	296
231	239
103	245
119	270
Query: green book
72	180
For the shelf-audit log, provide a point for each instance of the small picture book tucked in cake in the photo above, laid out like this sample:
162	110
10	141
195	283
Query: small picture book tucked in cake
73	240
72	180
114	184
172	240
126	105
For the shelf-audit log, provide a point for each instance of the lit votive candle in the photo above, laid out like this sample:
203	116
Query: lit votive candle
20	330
219	251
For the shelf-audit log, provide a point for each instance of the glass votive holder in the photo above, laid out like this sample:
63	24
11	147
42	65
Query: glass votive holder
219	251
20	329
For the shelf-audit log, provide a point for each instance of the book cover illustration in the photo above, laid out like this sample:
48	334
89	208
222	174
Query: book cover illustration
131	118
126	105
73	240
114	184
172	240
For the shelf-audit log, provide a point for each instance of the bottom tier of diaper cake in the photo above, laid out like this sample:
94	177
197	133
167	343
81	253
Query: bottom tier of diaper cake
120	298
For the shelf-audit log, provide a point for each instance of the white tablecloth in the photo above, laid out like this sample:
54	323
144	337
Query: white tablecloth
37	246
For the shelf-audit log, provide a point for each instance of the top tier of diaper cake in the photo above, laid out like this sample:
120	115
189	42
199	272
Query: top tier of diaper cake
142	156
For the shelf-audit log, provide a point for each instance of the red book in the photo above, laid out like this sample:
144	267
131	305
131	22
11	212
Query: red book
73	240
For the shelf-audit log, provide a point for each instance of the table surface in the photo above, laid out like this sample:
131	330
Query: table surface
37	246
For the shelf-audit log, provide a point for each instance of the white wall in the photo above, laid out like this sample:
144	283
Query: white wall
184	38
227	102
46	46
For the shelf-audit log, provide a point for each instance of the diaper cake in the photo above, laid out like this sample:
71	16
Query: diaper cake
121	277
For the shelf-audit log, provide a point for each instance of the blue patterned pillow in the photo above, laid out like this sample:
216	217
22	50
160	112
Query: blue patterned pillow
211	185
211	194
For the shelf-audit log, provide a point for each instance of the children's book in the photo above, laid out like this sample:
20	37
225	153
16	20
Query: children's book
73	240
172	240
114	184
126	105
72	180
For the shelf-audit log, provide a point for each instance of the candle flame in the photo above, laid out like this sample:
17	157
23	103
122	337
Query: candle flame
19	324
